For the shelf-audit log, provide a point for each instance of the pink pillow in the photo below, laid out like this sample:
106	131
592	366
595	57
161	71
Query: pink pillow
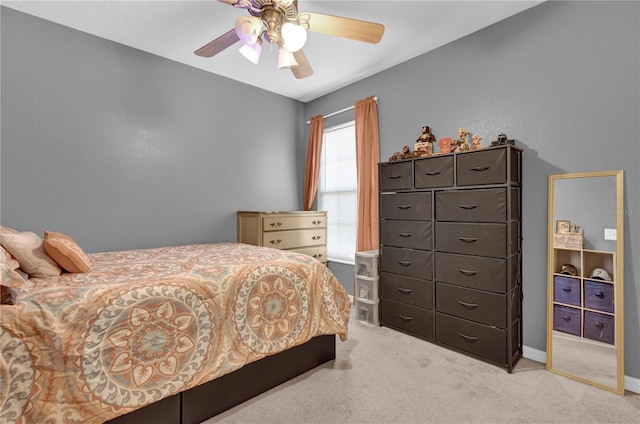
66	252
10	277
27	248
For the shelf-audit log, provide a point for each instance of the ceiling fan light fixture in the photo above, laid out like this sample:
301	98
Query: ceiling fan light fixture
284	3
252	51
294	36
248	28
286	59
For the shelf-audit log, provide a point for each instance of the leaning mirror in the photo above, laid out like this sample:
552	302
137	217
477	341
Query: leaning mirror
585	278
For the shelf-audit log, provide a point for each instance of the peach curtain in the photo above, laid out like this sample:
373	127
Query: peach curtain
314	149
367	158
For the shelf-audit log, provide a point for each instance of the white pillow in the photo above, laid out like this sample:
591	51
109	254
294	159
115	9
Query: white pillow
27	248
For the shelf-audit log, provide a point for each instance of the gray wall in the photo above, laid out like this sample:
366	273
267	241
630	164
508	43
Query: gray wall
563	80
123	149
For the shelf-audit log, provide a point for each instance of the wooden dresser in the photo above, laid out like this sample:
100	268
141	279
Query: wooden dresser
450	251
300	231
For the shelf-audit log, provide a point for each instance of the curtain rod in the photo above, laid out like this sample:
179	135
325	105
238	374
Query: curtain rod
341	110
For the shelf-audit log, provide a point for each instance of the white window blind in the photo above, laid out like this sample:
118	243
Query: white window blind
337	191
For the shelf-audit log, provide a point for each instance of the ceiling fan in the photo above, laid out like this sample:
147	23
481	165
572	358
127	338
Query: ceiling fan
279	22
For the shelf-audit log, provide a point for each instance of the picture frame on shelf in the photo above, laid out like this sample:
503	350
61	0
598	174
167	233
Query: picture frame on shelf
563	227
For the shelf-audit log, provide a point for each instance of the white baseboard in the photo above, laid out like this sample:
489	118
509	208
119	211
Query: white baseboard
630	383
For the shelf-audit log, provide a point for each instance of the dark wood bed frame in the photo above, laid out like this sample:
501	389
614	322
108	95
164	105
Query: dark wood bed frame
200	403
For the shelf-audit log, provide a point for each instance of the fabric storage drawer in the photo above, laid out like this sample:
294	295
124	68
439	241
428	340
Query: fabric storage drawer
411	234
598	296
599	327
407	290
473	239
396	176
472	205
487	308
479	339
472	271
272	223
407	318
567	320
566	290
434	172
484	167
294	238
406	206
412	263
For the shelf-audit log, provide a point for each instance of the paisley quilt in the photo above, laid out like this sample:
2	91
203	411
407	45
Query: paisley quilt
147	324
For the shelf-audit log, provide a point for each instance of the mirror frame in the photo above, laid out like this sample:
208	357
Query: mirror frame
618	272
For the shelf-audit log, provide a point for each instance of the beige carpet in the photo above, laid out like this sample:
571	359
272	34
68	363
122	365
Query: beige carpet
383	376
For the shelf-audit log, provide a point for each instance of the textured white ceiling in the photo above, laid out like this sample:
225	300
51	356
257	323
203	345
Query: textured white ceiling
175	29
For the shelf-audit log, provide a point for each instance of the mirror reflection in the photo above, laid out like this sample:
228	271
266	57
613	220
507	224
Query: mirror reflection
584	337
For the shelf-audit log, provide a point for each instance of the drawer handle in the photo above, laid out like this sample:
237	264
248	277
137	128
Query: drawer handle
405	234
276	224
467	206
480	168
316	237
600	295
404	207
468	305
405	263
468	239
395	177
566	318
467	272
469	339
405	318
276	241
599	325
404	291
316	222
432	173
566	289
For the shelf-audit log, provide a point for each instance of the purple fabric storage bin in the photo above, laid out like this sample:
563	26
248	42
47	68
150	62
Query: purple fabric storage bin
566	290
599	327
598	296
567	320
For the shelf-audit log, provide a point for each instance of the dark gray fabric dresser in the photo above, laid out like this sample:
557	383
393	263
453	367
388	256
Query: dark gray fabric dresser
450	251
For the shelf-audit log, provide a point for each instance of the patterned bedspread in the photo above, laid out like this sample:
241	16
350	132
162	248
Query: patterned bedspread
147	324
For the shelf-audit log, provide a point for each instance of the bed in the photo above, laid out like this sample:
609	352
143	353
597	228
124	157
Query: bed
179	333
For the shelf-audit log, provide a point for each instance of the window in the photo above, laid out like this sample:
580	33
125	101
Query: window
337	191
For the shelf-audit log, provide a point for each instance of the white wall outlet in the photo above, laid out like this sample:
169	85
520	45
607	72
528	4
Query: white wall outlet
610	234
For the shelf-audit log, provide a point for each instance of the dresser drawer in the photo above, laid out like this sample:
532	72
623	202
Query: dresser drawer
482	167
568	320
407	290
598	296
472	205
411	234
396	176
473	271
599	327
566	290
472	239
485	307
294	238
478	339
276	223
318	252
407	318
412	263
434	172
406	206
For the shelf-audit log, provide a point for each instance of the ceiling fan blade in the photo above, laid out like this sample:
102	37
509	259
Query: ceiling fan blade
216	46
237	3
369	32
303	70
